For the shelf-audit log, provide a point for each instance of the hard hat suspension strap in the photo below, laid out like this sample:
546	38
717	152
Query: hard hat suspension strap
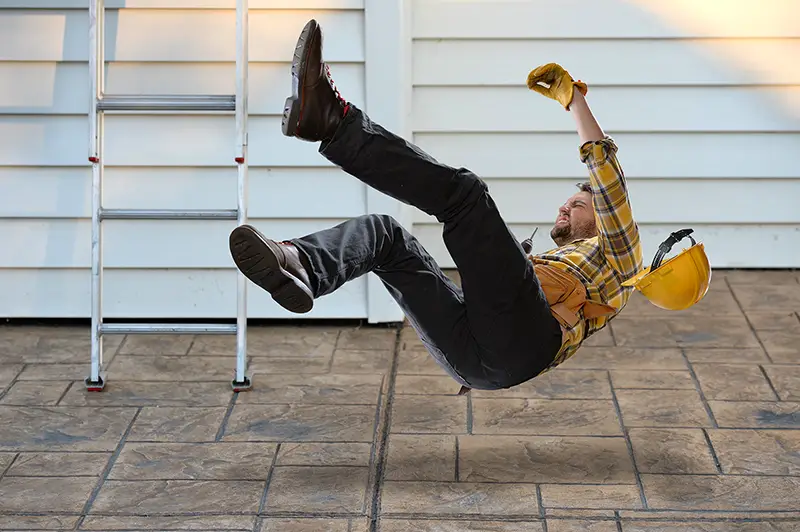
666	246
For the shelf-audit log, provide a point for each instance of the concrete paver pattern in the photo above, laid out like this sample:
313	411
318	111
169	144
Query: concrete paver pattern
664	421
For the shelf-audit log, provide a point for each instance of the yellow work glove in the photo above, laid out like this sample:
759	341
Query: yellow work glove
558	84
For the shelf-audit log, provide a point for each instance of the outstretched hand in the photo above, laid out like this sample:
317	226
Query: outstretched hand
553	81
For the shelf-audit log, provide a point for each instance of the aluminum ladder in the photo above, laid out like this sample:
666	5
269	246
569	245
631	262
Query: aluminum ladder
102	102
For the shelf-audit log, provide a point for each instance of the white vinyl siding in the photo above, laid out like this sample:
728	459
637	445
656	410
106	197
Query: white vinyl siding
704	105
160	269
704	102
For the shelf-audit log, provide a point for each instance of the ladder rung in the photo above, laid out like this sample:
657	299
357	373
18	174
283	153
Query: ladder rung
166	328
168	214
167	103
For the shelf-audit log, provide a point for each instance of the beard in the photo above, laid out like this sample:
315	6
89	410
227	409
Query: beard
565	234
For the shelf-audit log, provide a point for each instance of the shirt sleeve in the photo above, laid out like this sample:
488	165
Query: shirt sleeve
618	233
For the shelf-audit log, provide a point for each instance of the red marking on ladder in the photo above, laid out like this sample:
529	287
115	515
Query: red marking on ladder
94	159
239	160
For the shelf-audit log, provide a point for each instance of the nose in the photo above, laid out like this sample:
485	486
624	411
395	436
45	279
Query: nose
563	210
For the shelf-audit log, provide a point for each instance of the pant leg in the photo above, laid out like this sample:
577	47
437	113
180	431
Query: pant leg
433	304
506	308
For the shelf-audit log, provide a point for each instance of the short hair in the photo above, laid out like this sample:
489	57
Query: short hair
586	186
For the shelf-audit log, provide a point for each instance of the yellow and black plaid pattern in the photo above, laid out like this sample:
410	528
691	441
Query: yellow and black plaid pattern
603	262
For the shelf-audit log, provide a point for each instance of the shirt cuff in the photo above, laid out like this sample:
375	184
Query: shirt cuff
599	150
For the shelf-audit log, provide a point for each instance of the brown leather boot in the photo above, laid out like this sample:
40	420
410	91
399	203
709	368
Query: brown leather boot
315	108
274	266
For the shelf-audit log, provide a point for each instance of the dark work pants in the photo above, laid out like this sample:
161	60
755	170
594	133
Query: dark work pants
497	330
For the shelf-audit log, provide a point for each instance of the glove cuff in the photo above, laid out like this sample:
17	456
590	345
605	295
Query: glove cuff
569	95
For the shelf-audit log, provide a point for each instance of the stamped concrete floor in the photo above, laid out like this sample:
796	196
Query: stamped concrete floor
665	421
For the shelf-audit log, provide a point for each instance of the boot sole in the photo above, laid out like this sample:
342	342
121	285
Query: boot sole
257	261
293	104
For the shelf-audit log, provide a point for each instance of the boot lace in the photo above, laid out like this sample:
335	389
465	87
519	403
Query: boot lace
333	84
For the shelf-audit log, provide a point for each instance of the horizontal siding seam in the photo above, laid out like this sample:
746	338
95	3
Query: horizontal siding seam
676	85
698	38
140	9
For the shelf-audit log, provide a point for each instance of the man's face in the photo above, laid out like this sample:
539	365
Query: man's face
575	220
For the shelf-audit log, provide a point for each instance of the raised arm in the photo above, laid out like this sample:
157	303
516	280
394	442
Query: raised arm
617	230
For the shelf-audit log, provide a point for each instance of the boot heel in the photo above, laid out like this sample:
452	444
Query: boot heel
292	297
291	115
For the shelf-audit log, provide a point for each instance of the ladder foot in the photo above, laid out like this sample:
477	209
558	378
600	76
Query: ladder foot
242	386
94	386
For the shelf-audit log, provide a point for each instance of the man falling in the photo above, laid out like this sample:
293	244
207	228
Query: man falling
516	315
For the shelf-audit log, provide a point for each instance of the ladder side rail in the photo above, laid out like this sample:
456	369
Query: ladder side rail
242	85
96	72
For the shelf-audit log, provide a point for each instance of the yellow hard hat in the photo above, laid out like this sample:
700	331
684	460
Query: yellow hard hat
679	282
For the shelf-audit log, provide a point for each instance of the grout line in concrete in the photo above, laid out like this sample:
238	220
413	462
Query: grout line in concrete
383	443
107	470
749	323
224	424
373	454
540	502
712	451
65	392
4	392
457	460
699	390
470	420
769	381
628	442
9	466
267	483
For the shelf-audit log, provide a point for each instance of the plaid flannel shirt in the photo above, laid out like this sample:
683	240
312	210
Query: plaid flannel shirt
602	262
